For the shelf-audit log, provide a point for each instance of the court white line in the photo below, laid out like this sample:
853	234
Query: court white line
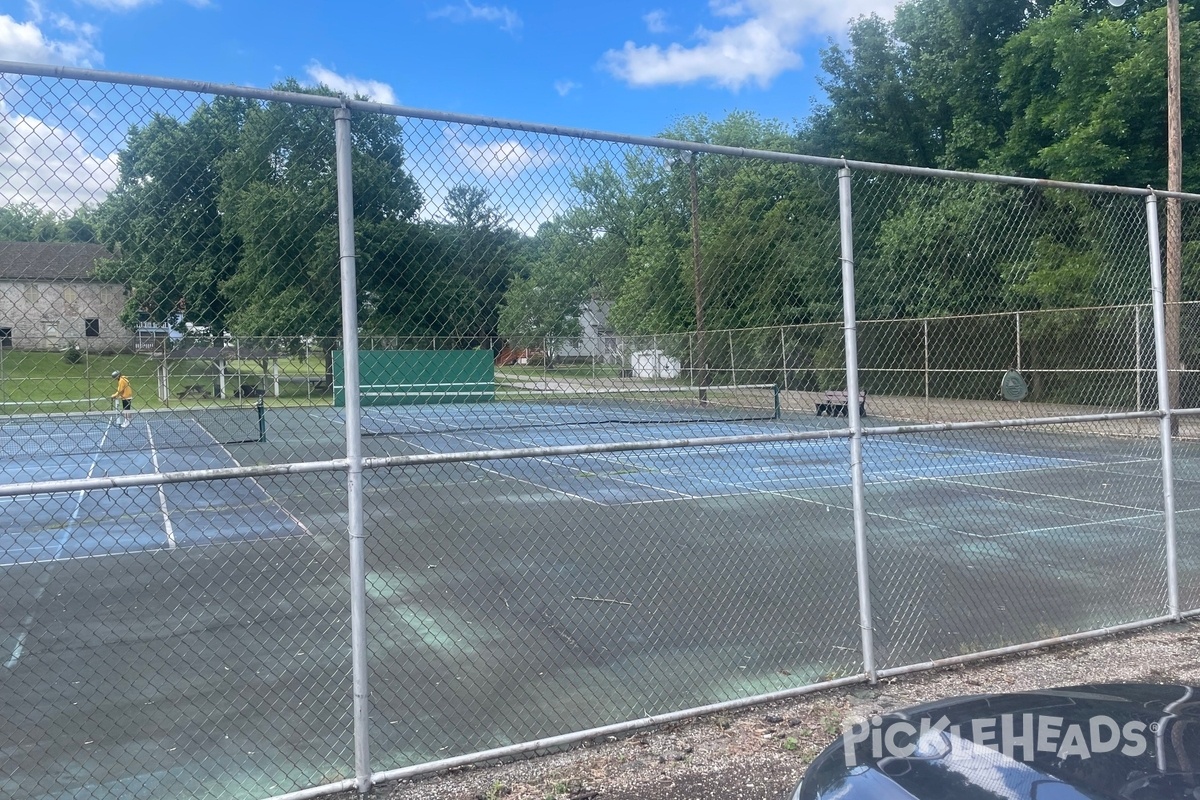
779	486
1048	496
1118	521
1058	461
261	488
555	462
890	442
479	466
162	495
61	541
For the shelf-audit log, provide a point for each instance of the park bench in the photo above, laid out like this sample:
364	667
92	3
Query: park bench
314	384
195	389
836	403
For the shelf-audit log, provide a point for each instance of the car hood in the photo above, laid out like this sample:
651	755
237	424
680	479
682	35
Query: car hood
1126	741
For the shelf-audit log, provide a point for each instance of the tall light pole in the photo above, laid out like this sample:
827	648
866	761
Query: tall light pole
1173	282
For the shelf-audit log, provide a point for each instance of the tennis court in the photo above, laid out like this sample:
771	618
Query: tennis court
640	476
104	522
561	580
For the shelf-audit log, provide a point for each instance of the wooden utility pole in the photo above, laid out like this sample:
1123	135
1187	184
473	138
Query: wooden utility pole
1173	283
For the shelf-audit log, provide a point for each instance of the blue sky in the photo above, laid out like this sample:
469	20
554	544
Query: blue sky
629	66
623	66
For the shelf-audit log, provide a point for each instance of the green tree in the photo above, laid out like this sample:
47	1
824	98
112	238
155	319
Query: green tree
482	252
1087	96
25	222
163	220
279	201
544	300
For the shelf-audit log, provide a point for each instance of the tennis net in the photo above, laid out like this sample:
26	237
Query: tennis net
544	405
38	430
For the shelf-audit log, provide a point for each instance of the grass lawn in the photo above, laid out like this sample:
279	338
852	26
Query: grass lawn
562	370
40	382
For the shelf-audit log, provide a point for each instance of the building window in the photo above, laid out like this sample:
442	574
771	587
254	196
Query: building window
91	327
6	337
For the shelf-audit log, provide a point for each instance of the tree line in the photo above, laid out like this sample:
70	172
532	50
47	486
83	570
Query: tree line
228	218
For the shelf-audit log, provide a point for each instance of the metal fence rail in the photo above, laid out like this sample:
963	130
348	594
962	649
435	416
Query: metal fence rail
753	424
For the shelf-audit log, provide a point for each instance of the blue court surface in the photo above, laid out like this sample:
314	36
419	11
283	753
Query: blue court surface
679	474
104	522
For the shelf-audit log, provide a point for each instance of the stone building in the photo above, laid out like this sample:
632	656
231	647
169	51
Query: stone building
50	299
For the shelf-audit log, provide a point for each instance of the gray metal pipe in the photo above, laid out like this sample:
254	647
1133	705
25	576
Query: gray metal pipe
354	466
1164	402
318	791
366	106
617	729
857	481
1022	648
426	459
541	745
1067	419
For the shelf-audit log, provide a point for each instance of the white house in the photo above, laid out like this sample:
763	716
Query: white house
596	340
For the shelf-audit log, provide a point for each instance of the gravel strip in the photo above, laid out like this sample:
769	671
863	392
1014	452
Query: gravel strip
761	753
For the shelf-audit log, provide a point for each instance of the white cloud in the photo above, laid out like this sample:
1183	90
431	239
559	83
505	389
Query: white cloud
756	50
26	41
119	5
131	5
508	20
564	88
506	158
349	85
50	166
656	21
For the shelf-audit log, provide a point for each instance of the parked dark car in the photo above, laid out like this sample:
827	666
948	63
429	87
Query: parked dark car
1126	741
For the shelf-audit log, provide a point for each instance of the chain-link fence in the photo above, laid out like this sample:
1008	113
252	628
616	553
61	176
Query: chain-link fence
346	443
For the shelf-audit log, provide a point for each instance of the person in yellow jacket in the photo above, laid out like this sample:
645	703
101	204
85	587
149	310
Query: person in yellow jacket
124	393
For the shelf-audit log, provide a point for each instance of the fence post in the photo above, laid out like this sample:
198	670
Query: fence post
1137	354
925	333
849	319
1018	315
783	354
732	367
698	275
1164	403
354	469
691	360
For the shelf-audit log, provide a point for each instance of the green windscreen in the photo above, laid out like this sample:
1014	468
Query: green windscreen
418	377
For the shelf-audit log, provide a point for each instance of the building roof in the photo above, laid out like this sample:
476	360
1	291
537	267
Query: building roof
49	261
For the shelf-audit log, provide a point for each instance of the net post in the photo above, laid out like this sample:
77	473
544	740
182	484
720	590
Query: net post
261	408
778	403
